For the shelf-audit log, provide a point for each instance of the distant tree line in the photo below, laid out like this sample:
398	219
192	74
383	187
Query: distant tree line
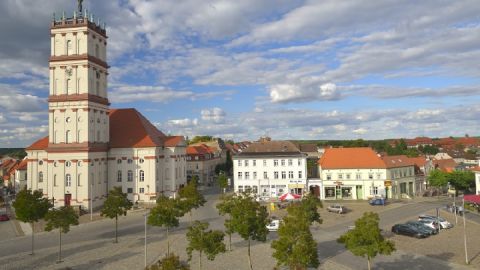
18	153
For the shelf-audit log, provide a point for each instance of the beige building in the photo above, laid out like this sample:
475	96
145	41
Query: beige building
201	162
91	148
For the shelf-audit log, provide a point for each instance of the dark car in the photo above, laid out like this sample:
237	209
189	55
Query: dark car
377	201
4	217
421	226
408	230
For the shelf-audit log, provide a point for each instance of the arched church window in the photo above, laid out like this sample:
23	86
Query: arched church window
40	177
68	180
97	51
68	136
69	47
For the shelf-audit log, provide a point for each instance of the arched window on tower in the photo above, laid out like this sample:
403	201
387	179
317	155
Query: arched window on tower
69	87
97	51
40	177
78	46
97	88
68	136
79	180
119	176
69	47
142	176
55	180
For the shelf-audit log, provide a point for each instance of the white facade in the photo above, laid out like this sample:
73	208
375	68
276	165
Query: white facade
270	175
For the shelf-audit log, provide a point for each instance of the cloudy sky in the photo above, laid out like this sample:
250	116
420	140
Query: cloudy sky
289	69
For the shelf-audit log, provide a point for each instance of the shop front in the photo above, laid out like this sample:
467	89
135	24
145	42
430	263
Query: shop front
340	191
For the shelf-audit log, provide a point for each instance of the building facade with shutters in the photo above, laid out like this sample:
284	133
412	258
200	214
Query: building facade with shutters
90	148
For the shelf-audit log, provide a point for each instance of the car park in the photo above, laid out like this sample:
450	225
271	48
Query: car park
4	217
273	225
444	224
405	229
337	208
421	226
377	201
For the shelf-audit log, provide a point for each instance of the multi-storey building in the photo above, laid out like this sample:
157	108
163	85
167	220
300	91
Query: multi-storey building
270	169
91	148
201	162
359	173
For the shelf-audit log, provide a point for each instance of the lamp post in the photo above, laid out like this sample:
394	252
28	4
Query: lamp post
464	232
91	202
146	216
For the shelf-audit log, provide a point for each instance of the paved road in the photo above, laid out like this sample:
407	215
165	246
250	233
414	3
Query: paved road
89	246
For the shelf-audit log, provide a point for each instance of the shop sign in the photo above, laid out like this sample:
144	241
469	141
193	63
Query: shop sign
388	183
338	183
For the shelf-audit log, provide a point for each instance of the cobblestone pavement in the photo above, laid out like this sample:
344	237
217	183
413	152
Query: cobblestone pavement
101	253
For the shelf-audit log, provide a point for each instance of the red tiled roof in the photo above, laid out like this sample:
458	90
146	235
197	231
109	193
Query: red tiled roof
419	161
129	128
397	161
476	169
39	145
351	158
172	141
23	165
199	150
446	165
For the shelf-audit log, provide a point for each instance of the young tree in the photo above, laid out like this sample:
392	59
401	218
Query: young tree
191	198
205	242
170	262
249	219
225	208
365	239
229	163
166	214
60	219
222	181
295	246
115	205
310	204
31	207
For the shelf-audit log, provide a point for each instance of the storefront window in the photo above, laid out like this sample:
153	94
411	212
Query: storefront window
346	192
329	192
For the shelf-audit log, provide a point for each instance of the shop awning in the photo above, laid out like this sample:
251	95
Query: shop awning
472	198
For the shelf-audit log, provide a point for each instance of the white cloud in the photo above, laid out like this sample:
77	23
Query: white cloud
306	91
216	115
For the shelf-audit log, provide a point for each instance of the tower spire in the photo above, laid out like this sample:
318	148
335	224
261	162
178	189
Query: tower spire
80	6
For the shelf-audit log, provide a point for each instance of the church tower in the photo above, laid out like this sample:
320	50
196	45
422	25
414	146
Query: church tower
78	111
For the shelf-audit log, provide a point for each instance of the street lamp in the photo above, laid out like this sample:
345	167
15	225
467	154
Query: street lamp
464	231
146	216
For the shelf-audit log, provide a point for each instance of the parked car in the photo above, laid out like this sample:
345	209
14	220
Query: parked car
444	224
421	226
337	208
377	201
408	230
273	225
4	217
430	223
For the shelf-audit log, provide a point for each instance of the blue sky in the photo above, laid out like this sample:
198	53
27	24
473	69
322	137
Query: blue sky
289	69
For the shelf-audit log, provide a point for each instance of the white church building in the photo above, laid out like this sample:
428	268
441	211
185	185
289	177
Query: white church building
91	148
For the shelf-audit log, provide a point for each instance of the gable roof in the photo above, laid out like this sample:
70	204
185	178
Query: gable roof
351	158
199	150
419	161
271	147
397	161
129	128
23	165
172	141
446	165
41	144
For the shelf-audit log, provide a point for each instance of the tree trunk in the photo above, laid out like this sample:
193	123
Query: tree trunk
200	260
368	263
249	257
191	218
229	242
33	232
116	229
60	246
168	244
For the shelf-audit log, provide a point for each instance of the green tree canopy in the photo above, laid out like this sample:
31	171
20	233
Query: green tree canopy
461	180
191	198
166	213
197	139
61	219
310	204
223	181
249	219
205	242
225	209
295	246
169	262
437	178
366	240
31	207
116	204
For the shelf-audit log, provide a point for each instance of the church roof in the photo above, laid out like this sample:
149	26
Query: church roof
128	129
